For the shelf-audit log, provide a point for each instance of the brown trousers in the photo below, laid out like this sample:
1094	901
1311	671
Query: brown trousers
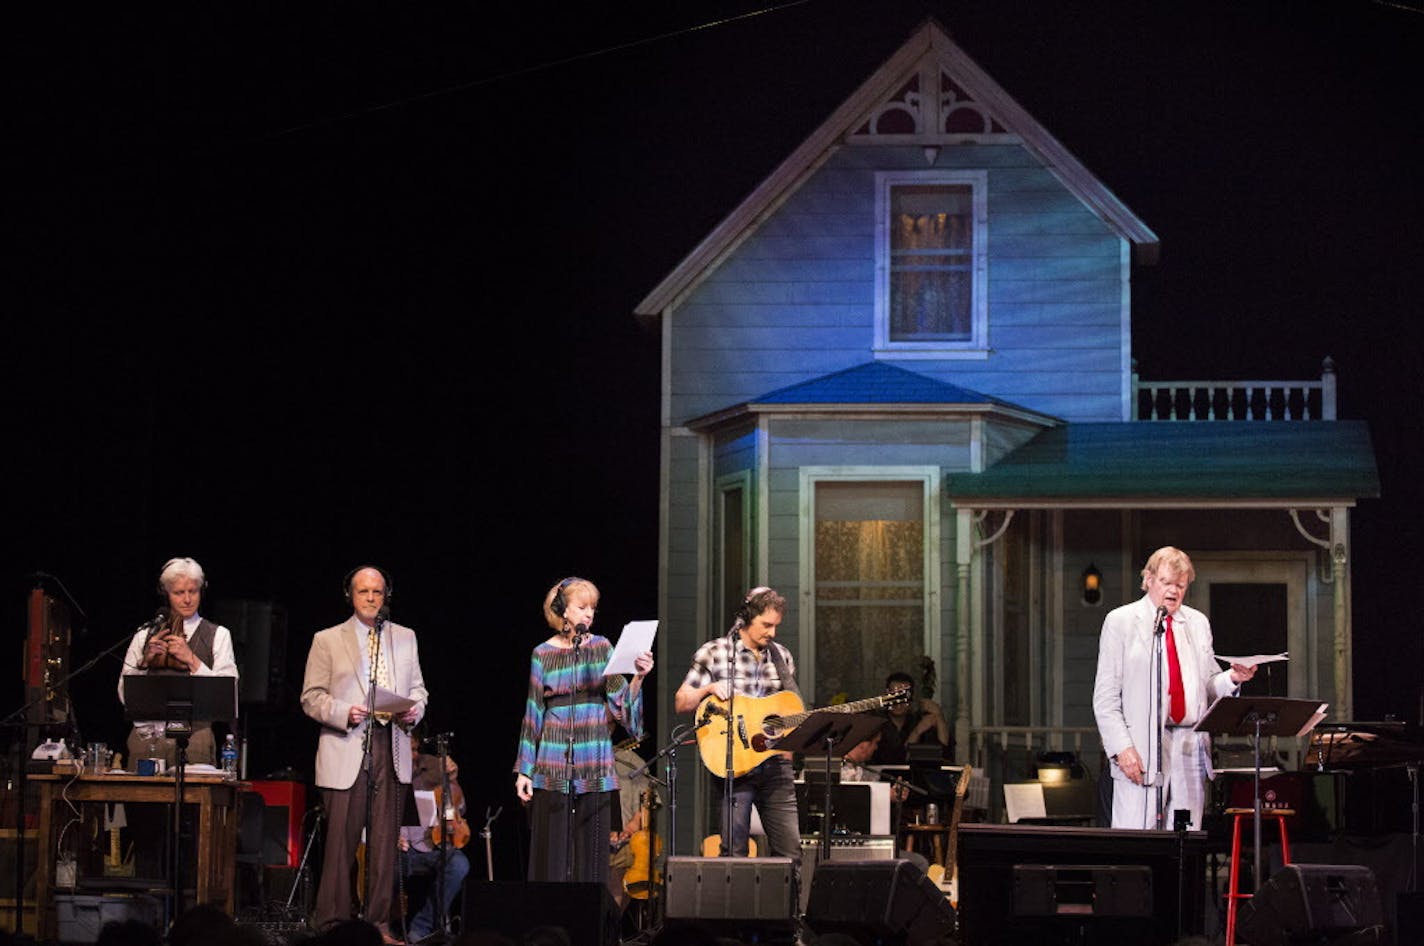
346	816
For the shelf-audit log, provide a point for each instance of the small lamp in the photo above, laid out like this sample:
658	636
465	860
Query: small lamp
1092	585
1057	768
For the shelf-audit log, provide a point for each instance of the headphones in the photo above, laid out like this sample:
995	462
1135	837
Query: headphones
385	577
744	615
163	592
557	604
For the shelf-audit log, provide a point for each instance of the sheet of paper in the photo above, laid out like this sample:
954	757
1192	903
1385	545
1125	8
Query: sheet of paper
636	638
1024	800
425	808
1254	660
388	702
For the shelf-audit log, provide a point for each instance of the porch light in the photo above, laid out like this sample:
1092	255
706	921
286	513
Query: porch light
1092	585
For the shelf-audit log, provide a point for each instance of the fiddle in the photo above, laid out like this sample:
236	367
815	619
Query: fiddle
459	827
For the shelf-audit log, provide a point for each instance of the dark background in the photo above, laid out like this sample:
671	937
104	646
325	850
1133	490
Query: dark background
301	286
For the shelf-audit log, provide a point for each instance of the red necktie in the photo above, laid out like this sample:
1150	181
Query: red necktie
1176	693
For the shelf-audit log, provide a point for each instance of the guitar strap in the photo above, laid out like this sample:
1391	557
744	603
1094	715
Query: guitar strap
788	679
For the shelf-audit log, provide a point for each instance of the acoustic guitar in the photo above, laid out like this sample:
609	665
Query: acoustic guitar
760	722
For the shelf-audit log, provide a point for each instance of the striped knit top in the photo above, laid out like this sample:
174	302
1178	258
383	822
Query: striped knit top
582	700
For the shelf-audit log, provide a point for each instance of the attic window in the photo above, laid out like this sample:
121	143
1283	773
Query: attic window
930	254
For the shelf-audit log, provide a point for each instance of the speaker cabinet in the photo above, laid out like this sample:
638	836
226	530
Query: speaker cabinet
1310	902
879	901
285	806
586	911
737	895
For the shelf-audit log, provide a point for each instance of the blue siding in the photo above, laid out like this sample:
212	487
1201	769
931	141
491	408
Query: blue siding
796	299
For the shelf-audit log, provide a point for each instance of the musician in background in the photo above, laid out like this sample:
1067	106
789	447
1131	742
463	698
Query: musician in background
420	852
749	661
178	641
630	805
1127	708
911	722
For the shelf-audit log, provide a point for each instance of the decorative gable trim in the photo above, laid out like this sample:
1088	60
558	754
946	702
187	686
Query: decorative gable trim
890	108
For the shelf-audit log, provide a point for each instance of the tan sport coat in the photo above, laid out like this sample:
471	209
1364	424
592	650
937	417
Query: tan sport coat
334	683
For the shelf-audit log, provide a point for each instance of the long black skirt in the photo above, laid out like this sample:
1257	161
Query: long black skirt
549	841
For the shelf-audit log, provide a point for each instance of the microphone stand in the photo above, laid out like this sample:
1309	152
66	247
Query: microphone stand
1158	657
447	825
669	753
569	758
728	799
369	762
303	875
487	833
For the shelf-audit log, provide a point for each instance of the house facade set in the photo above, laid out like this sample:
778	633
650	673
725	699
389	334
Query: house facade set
897	386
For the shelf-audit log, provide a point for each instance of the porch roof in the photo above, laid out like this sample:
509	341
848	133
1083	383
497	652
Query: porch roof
878	389
1203	464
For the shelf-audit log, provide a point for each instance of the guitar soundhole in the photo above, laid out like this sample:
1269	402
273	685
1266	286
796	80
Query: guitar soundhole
771	725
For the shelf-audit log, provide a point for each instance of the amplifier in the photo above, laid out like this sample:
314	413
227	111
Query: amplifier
844	847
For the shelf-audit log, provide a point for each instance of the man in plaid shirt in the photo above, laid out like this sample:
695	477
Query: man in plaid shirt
750	662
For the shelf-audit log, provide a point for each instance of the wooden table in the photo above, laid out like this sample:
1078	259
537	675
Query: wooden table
215	797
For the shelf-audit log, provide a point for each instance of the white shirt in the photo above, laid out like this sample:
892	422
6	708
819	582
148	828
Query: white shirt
224	662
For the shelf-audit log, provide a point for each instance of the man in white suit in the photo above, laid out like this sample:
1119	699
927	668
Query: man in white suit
1127	702
334	693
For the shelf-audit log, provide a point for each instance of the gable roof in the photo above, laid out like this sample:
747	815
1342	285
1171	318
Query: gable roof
1274	464
929	51
876	387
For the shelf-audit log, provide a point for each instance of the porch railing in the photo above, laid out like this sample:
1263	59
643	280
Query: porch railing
1236	400
1005	754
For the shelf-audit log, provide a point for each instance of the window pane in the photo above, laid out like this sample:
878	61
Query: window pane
931	256
869	585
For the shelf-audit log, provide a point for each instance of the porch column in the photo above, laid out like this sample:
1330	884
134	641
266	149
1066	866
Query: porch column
963	555
1339	562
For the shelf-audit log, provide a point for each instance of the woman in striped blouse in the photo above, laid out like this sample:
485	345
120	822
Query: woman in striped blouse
565	769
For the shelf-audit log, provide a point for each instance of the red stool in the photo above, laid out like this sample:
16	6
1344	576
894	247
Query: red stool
1233	894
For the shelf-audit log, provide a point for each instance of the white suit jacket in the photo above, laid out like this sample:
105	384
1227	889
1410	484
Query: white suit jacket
1122	692
334	683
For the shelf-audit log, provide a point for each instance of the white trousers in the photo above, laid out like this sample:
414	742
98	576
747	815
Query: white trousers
1184	771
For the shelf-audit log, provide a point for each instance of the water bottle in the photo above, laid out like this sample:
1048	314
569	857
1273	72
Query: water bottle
229	757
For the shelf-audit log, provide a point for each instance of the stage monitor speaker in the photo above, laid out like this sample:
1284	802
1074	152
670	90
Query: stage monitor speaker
1308	903
879	901
849	847
585	911
1082	890
745	897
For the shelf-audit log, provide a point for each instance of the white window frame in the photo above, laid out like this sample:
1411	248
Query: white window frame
929	477
723	583
977	345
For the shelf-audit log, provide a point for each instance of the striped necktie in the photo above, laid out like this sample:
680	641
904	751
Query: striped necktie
383	671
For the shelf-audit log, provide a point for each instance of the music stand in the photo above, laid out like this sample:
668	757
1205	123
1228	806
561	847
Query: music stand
832	734
1259	716
178	699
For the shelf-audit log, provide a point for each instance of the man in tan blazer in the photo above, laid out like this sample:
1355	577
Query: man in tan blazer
334	693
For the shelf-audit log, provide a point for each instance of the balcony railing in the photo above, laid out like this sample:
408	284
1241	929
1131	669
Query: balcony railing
1237	400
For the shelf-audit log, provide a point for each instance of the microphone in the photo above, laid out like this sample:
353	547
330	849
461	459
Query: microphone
1158	625
580	634
382	616
159	619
